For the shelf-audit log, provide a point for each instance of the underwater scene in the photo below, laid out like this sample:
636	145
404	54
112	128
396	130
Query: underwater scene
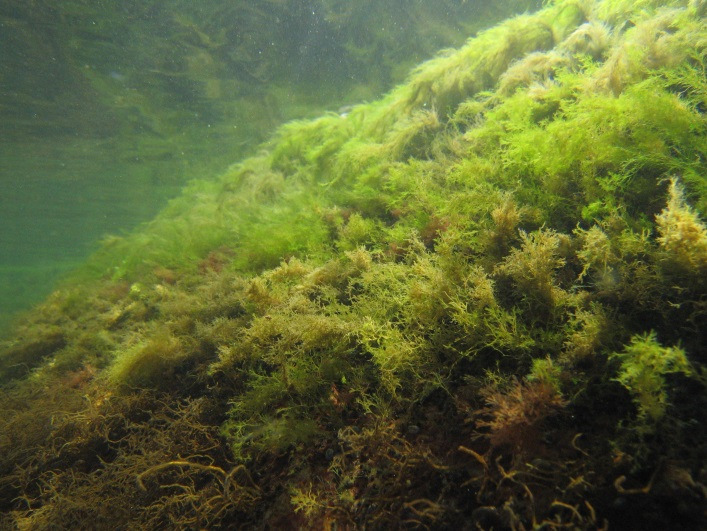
353	264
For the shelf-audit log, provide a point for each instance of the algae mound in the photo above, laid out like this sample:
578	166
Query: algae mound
476	303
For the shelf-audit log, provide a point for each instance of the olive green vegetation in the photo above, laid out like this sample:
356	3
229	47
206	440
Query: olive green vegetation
479	302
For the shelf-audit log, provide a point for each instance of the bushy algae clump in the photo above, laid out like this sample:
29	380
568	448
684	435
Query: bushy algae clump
479	302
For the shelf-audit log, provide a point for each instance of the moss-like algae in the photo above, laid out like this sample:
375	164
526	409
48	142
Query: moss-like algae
442	309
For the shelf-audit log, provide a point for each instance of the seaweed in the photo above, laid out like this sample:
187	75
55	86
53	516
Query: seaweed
644	364
477	301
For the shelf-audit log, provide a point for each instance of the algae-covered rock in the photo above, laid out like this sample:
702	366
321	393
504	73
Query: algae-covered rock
25	354
476	303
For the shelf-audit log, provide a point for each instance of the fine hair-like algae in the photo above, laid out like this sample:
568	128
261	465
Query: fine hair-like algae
476	303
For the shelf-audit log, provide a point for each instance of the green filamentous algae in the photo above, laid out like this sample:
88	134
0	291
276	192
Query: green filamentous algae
478	301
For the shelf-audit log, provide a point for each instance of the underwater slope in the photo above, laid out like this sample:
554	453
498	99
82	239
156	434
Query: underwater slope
477	303
140	96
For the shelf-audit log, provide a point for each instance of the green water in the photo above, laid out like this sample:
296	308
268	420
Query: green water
58	199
